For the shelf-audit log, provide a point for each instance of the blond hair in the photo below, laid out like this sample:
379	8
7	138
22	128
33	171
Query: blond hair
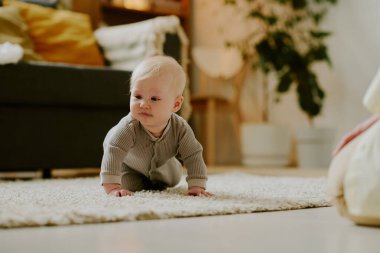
157	65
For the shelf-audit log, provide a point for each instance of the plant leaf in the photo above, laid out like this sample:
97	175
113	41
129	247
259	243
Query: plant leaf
299	4
320	34
285	82
256	14
231	2
318	54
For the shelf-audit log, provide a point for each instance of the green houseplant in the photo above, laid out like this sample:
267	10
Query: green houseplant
285	42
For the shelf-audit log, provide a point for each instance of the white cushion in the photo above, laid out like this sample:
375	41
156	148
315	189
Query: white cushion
362	178
371	99
218	62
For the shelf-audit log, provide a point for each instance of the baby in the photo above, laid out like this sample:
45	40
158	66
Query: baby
141	151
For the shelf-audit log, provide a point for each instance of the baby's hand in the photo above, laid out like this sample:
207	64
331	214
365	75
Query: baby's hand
120	193
198	191
115	190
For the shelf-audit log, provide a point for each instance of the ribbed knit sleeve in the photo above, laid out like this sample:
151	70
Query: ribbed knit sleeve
116	145
190	152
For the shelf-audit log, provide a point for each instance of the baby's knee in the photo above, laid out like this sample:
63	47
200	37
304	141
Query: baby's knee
170	173
134	181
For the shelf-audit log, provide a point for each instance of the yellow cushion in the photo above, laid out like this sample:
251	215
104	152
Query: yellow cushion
60	35
14	30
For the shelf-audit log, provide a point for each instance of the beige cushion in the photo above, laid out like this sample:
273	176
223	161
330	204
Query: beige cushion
338	168
362	179
14	30
371	99
222	62
354	178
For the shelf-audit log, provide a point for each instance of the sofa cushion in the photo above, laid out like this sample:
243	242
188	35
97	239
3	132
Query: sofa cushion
14	30
60	35
63	85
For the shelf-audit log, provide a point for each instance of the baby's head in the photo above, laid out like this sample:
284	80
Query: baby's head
157	85
159	66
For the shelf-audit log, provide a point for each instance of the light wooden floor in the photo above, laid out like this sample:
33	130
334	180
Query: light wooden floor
319	230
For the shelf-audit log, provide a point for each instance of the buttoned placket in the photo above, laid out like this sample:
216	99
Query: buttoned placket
153	161
155	146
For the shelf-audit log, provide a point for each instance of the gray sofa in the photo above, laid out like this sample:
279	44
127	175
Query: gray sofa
56	115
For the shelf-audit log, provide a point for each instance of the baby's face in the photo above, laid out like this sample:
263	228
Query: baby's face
153	100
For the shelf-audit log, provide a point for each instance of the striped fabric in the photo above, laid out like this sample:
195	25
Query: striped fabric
129	146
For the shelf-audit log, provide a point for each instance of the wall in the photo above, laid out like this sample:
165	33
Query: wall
354	50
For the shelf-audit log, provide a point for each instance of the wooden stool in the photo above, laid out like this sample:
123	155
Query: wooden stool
209	102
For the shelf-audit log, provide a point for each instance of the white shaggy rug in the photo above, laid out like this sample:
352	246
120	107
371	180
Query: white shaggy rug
82	200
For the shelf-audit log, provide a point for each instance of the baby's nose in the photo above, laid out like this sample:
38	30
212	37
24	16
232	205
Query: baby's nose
144	103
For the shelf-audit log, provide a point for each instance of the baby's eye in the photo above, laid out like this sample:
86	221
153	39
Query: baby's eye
155	99
138	97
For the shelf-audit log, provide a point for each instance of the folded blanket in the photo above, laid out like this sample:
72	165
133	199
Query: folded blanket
126	45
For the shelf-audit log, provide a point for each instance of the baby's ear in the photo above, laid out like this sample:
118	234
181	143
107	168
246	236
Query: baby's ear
178	103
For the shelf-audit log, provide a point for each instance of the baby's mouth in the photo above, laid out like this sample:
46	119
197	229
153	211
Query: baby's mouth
145	114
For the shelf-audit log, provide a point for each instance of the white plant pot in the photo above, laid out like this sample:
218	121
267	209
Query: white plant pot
265	145
314	146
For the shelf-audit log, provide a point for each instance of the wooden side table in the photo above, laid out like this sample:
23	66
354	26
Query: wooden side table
224	66
208	105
